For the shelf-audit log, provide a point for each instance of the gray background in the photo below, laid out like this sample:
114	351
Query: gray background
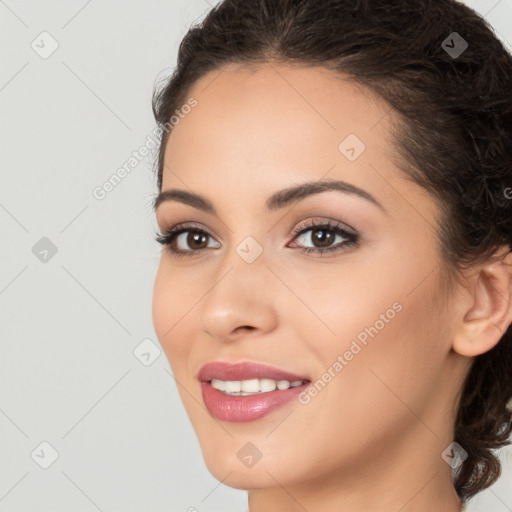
70	321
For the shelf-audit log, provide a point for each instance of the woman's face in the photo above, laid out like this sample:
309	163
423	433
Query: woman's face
364	323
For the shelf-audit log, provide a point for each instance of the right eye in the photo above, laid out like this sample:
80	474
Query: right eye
183	235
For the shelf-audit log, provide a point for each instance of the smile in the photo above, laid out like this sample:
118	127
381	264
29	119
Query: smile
252	386
247	391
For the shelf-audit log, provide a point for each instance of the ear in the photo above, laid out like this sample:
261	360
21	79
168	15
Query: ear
489	313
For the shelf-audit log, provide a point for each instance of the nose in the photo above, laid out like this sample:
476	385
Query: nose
241	302
246	327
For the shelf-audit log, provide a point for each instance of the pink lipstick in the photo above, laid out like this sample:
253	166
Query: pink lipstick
247	391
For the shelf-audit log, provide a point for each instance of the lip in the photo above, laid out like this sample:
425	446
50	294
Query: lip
250	407
244	371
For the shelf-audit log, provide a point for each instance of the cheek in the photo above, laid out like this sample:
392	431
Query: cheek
380	311
392	344
385	301
172	301
357	302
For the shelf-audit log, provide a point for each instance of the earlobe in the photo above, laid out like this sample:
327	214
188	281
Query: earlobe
490	312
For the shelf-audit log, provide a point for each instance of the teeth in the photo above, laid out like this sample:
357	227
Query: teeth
267	385
233	386
219	384
283	384
252	386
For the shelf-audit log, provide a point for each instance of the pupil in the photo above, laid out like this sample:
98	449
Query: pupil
324	240
196	237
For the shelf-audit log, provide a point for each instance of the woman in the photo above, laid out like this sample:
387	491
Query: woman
334	293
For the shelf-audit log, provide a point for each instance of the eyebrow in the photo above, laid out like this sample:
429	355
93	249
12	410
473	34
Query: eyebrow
275	202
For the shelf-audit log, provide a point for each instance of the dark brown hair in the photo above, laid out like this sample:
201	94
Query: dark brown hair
453	137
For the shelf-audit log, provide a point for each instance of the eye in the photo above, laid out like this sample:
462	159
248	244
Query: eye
176	240
323	235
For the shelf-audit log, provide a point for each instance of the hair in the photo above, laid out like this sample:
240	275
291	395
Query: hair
453	137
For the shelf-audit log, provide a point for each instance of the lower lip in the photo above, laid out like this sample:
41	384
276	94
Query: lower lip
246	408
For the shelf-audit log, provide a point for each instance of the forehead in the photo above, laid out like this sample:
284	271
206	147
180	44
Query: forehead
277	93
279	116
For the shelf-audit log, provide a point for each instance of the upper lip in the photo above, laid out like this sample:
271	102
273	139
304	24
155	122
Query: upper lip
223	370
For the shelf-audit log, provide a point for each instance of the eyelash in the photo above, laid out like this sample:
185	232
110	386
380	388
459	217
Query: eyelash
351	239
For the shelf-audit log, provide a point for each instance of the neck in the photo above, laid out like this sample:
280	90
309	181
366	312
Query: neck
435	492
406	476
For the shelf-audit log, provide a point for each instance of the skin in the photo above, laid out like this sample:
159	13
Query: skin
372	438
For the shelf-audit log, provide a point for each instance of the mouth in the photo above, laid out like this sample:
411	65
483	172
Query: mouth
239	372
247	391
253	386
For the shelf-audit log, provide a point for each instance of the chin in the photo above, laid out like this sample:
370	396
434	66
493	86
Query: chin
246	479
230	462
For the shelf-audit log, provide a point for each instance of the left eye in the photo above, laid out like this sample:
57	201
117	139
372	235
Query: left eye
324	235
